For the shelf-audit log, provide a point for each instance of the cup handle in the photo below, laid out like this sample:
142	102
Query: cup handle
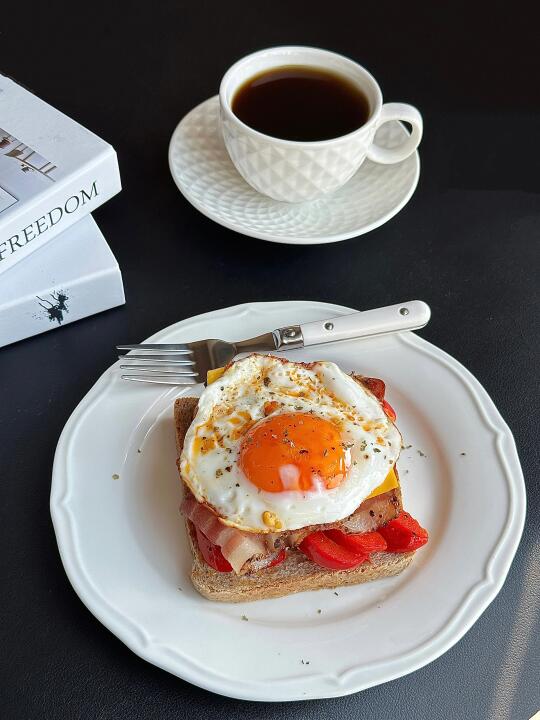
397	111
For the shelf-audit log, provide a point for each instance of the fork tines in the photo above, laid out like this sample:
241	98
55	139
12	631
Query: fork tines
168	359
170	365
162	379
181	348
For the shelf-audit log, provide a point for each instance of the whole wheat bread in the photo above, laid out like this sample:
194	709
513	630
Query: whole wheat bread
295	574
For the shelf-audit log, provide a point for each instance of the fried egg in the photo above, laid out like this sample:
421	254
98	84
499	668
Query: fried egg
278	445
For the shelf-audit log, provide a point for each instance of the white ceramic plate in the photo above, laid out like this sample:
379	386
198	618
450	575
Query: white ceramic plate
204	173
114	503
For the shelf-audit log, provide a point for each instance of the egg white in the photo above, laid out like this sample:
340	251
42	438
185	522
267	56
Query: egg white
239	396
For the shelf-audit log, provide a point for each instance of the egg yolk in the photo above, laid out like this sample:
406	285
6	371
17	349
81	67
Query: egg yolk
293	451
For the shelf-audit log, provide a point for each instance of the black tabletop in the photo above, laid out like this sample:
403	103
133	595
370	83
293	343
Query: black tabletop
467	243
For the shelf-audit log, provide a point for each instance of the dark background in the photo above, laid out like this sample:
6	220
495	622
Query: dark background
467	243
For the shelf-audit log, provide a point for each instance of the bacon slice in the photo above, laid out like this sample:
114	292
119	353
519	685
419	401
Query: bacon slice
237	547
374	512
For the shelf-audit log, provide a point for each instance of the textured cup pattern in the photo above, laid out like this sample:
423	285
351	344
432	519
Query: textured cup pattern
293	173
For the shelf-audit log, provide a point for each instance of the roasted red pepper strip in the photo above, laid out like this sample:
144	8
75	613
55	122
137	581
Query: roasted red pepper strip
327	553
404	534
212	553
389	410
376	386
364	543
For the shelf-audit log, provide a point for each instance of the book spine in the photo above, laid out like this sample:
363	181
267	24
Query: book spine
84	297
70	201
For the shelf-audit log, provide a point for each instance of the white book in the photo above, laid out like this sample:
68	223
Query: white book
53	171
71	278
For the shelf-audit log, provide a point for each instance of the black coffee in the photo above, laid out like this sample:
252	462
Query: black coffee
294	102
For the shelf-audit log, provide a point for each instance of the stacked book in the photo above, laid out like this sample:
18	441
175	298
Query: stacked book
55	265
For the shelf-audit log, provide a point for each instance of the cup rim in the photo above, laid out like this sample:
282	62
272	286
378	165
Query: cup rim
227	109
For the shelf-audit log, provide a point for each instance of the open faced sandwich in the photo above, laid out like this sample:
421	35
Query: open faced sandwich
290	480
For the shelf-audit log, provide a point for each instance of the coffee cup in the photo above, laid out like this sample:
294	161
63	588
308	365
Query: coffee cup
297	171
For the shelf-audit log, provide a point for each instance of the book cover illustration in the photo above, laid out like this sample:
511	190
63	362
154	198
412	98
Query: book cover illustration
23	171
55	305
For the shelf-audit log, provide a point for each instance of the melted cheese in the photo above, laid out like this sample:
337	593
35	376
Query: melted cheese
213	375
390	482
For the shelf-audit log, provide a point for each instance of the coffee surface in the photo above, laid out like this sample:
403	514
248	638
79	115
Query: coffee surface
301	103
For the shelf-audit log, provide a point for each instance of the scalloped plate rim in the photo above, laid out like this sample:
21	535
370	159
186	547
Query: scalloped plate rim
141	643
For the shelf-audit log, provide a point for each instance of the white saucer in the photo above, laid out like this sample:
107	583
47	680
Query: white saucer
205	175
115	497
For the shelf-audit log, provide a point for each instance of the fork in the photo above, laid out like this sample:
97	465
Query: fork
185	364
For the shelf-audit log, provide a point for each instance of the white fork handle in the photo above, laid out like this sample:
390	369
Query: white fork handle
394	318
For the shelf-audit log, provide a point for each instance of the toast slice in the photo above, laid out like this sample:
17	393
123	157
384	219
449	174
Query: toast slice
295	574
